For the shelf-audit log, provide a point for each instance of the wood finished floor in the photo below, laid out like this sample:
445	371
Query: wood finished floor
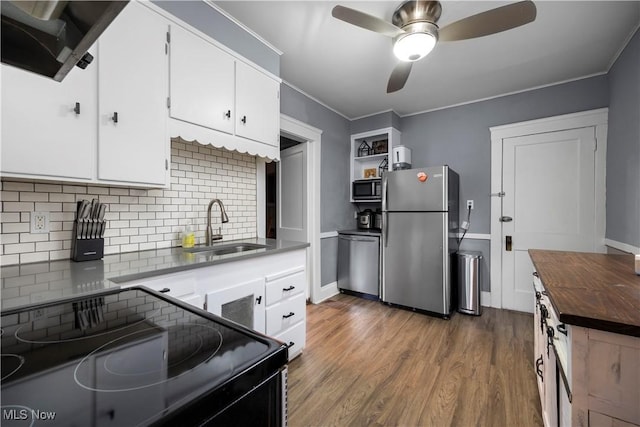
368	364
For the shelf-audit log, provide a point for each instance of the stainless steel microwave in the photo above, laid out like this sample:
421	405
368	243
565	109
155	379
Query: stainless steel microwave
367	189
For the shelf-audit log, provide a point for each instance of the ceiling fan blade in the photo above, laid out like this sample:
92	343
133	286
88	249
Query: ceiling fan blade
490	22
363	20
399	76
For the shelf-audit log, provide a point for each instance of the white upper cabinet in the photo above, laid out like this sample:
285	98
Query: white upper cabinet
133	145
201	82
49	127
104	124
218	99
258	105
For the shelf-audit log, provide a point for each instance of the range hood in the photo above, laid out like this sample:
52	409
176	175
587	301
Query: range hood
50	37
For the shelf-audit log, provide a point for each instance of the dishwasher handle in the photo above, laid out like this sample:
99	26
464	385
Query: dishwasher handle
357	238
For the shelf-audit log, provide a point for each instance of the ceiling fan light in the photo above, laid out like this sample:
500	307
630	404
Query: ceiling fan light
414	46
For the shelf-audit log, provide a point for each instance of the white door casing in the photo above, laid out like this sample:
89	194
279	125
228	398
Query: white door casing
551	173
291	210
302	131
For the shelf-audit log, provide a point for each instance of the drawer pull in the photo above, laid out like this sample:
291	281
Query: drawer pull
286	316
164	290
562	328
290	288
539	363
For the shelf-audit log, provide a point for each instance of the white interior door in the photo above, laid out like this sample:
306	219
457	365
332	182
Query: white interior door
550	192
292	194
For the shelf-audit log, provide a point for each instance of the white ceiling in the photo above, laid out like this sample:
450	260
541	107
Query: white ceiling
347	68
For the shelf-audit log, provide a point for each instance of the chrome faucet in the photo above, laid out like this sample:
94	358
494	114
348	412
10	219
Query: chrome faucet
210	237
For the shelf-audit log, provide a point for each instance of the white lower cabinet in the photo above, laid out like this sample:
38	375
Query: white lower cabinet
587	377
266	294
181	286
242	303
286	308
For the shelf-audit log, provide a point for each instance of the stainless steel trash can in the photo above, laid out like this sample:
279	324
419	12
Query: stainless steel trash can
469	282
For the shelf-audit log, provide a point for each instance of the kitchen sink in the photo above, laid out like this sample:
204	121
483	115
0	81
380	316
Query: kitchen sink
231	248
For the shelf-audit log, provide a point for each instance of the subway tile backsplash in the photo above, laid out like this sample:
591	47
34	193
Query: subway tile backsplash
137	219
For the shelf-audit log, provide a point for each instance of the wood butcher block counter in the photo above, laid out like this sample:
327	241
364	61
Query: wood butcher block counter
587	310
596	291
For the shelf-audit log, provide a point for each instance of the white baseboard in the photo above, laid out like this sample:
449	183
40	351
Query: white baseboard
622	246
326	292
485	298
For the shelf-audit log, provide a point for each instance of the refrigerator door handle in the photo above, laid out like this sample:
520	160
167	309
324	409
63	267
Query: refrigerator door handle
385	227
384	193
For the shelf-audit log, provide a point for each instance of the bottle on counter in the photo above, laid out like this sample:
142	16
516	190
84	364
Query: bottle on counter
188	237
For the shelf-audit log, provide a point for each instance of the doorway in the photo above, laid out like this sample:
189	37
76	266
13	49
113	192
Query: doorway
272	177
547	181
298	134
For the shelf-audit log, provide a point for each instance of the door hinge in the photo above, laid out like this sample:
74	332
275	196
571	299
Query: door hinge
166	49
166	164
595	144
168	37
168	102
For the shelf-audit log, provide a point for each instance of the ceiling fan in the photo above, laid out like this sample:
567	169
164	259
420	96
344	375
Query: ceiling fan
415	31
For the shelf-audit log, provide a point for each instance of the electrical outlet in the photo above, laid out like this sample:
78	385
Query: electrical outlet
469	204
39	222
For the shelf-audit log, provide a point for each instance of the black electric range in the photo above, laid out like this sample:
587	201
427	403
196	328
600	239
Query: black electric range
135	357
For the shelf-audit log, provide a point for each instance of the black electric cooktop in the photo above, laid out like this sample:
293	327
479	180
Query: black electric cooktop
129	357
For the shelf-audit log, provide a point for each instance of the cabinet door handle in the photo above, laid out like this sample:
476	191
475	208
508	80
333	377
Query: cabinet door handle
244	120
291	344
550	334
290	288
115	117
508	243
76	109
228	114
286	316
164	290
539	363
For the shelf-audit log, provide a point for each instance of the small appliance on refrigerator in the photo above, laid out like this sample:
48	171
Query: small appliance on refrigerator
419	226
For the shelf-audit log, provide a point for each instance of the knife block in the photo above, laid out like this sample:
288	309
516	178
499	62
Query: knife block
86	249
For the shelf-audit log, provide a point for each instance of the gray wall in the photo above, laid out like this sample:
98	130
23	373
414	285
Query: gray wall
214	24
460	136
623	147
336	211
387	119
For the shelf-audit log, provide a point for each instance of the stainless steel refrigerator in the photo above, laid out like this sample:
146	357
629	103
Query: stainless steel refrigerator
419	230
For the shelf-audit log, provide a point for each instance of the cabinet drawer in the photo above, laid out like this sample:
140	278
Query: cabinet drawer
284	287
285	314
295	338
177	287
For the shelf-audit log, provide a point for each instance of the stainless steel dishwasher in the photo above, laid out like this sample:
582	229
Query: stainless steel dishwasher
359	263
